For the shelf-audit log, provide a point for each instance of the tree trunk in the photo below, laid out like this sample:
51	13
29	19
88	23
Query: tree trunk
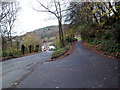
96	20
61	36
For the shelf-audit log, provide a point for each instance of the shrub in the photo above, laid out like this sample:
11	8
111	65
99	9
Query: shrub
93	25
116	32
106	39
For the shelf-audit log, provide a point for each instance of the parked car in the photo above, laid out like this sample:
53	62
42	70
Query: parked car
52	47
45	48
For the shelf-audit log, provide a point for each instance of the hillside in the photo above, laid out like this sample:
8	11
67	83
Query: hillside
40	36
46	32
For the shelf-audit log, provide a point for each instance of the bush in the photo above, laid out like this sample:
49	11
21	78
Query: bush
11	52
93	25
106	39
116	32
87	33
4	54
106	35
70	39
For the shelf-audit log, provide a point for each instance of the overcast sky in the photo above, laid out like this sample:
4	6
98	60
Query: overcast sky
29	19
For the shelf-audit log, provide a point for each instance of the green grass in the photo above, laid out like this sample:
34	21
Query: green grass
15	53
79	38
57	53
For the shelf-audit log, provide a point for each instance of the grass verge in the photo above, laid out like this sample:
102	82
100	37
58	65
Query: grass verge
96	49
63	52
60	52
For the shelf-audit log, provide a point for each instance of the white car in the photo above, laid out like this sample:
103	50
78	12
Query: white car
52	47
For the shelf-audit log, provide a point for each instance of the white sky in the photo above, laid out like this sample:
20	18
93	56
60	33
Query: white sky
29	19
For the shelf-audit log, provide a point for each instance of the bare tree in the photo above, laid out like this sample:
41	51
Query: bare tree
8	14
54	8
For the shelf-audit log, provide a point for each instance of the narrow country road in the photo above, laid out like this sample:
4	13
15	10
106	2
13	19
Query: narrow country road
81	69
16	69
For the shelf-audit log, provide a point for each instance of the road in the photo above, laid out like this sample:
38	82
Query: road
81	69
15	70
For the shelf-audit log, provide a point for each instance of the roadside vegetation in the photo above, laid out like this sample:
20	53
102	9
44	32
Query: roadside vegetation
102	39
98	24
69	42
59	52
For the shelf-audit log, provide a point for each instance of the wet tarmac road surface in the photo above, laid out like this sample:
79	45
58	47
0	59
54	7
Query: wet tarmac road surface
16	69
82	69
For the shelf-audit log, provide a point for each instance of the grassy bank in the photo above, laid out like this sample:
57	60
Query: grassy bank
103	39
61	51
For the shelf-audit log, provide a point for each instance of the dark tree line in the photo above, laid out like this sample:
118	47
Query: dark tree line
101	13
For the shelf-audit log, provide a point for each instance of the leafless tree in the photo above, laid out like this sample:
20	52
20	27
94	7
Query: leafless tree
8	14
55	8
